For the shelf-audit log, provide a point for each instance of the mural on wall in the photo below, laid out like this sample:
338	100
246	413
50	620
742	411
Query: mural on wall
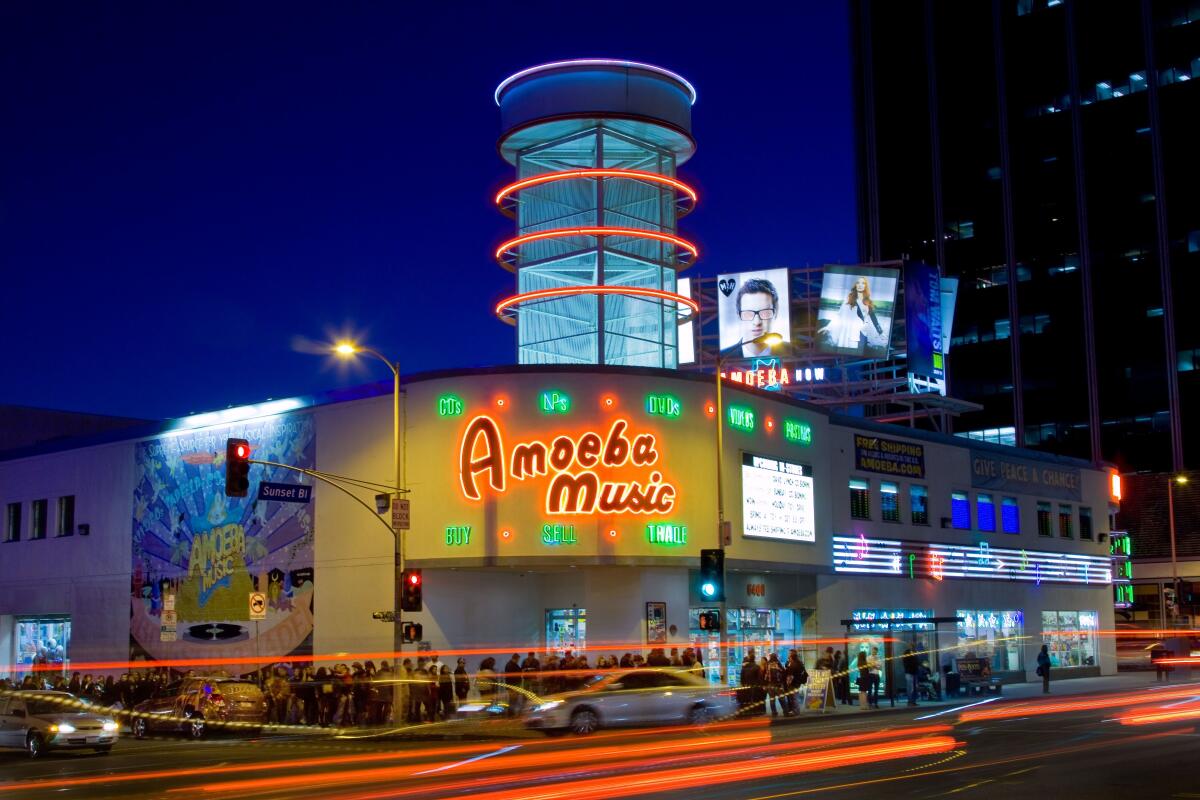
197	554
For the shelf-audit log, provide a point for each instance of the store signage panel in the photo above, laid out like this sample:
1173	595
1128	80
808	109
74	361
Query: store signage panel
939	562
880	619
888	456
777	499
1005	474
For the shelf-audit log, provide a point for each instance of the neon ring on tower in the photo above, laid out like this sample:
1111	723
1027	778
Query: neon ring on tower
507	254
506	309
507	201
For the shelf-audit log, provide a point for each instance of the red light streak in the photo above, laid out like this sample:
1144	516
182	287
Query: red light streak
558	233
1067	706
633	174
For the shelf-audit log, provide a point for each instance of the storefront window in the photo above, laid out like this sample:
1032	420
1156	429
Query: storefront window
871	626
44	640
767	630
566	629
994	635
1071	637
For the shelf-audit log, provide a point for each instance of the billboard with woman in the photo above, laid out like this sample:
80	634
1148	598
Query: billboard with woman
857	306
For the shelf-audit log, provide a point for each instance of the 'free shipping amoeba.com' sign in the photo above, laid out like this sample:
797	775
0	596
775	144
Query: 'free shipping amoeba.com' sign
889	457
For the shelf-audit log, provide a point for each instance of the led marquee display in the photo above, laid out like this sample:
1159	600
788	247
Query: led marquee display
983	562
777	499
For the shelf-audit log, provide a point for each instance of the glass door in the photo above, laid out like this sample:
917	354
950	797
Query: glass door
566	629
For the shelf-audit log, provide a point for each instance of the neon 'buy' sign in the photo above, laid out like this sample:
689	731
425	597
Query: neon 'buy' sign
582	471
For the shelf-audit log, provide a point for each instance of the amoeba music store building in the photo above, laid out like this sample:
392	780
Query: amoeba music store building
555	508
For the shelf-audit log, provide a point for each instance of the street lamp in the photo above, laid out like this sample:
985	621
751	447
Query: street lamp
349	350
769	339
1171	481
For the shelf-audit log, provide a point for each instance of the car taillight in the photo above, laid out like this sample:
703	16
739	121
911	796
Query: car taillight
730	693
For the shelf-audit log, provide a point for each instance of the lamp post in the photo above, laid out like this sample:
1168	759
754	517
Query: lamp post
770	340
1171	481
349	350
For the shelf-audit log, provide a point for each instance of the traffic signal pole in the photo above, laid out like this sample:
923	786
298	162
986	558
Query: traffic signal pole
722	643
398	713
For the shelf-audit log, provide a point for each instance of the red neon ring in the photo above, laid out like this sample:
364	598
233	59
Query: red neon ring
633	174
565	291
605	231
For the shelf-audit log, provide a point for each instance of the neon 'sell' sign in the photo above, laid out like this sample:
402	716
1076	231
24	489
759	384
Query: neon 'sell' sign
580	469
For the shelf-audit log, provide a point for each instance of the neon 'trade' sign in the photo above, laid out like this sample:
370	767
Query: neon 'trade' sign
588	474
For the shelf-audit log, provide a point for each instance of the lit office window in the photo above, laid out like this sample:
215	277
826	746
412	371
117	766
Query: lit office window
889	502
985	513
860	499
918	502
960	511
1045	524
1010	515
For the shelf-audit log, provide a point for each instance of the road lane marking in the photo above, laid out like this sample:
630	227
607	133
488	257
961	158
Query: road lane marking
960	708
444	767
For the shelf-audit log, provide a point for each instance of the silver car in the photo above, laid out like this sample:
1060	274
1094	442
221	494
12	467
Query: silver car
37	721
645	696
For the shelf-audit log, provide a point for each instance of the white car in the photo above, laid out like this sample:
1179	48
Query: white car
37	721
646	696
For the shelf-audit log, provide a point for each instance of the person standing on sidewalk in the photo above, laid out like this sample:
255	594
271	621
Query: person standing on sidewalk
1043	668
873	669
912	672
841	678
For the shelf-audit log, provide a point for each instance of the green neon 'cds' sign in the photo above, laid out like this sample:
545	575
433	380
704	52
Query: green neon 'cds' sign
740	417
449	405
796	431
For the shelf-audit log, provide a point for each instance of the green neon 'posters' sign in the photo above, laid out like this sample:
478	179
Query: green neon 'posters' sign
796	431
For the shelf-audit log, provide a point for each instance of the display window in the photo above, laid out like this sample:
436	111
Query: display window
993	635
566	629
1070	637
767	630
43	640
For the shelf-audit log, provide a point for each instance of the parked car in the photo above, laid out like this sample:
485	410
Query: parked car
196	705
633	697
38	721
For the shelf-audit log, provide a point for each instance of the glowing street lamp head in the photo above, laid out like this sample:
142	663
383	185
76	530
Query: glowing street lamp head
1181	479
770	339
345	348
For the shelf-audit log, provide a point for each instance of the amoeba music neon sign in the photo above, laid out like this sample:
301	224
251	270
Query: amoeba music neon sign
585	474
906	559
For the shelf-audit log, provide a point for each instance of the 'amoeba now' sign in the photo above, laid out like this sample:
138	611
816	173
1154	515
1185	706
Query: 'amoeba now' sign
888	456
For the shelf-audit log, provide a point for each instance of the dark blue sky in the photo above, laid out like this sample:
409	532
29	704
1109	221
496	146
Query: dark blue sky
185	187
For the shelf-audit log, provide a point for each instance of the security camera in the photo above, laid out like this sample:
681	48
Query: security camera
383	502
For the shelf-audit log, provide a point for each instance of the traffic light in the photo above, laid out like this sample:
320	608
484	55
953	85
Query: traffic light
237	467
1187	594
412	632
710	621
410	592
712	574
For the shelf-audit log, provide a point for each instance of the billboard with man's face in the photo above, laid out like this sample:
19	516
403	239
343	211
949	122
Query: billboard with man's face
856	311
751	305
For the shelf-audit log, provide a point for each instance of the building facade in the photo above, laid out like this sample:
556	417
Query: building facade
1043	153
554	508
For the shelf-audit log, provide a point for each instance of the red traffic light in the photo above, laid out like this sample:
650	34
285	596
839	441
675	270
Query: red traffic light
243	451
414	578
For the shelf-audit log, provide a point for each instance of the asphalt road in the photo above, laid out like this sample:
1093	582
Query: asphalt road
1071	747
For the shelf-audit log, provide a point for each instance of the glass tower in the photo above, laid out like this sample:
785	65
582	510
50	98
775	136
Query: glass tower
595	145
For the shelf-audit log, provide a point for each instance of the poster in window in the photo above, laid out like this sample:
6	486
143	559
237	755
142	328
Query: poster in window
656	623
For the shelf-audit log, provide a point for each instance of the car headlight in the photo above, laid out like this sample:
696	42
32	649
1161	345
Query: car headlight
111	726
549	705
64	727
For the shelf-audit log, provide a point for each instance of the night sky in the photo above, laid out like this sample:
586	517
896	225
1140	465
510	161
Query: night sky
185	188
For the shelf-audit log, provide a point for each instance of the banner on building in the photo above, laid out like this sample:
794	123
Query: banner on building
856	311
923	320
888	456
1004	474
751	305
208	552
